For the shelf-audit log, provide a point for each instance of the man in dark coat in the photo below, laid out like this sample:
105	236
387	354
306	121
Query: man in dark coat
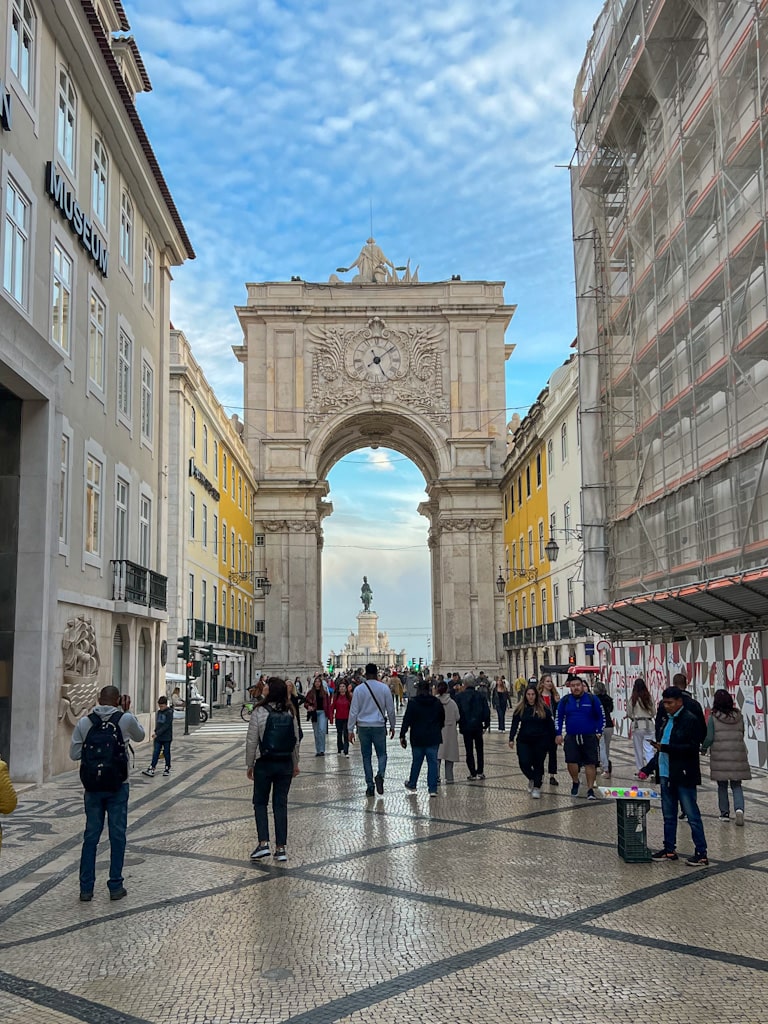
677	745
425	717
474	720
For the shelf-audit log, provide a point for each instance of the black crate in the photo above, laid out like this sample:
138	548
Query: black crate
631	818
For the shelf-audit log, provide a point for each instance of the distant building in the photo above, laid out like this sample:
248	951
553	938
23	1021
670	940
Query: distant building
368	644
89	236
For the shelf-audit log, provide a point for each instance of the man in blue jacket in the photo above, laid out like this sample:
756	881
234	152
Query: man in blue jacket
582	716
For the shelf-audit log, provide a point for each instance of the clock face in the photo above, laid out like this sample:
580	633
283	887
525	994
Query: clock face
376	360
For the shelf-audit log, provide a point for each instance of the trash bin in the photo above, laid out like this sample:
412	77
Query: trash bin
631	818
194	714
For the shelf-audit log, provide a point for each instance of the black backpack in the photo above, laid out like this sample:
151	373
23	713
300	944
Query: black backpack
104	758
279	737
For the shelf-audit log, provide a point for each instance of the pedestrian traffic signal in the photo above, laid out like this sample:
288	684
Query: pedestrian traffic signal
215	668
190	666
182	648
571	659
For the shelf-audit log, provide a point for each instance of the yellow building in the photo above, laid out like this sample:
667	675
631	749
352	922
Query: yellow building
215	577
525	576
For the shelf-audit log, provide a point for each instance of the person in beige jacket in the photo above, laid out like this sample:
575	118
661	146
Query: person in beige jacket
728	761
449	748
8	797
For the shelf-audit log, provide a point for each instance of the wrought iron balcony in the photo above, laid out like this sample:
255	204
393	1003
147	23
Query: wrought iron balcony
135	584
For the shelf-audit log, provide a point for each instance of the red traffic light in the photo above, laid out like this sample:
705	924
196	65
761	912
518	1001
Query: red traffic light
190	665
216	667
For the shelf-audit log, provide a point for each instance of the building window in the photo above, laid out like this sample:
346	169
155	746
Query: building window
215	534
216	460
233	483
193	425
563	442
570	596
223	607
67	120
16	251
530	547
64	491
232	548
204	600
191	597
517	615
147	400
567	520
97	325
148	273
514	558
205	444
519	491
145	530
205	525
224	470
93	477
538	470
511	499
239	555
552	524
126	230
61	298
550	456
23	44
543	606
522	555
556	602
192	515
525	612
215	604
124	371
121	519
533	609
239	613
528	481
260	540
541	541
100	185
240	491
224	543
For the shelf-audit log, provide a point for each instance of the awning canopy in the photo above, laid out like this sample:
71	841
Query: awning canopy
733	604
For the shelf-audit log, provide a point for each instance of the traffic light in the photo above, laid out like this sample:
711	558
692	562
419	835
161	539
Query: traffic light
182	648
190	666
330	664
215	668
571	659
209	653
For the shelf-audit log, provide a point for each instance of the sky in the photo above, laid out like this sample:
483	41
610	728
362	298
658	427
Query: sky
283	128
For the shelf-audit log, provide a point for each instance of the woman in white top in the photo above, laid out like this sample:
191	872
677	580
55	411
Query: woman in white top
642	715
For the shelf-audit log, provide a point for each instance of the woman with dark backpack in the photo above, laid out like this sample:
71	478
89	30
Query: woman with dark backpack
272	761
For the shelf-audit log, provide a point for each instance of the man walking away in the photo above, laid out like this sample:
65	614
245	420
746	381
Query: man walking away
371	709
99	744
163	735
474	720
677	745
582	715
425	717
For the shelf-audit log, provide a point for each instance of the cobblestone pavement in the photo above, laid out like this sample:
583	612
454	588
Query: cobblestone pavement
481	905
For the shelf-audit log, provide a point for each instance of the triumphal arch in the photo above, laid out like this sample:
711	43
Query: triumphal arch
378	358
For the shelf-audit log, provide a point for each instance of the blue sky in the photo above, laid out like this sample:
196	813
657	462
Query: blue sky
278	124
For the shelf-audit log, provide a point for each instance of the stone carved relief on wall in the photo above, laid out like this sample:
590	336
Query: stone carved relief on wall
464	525
81	669
400	364
290	526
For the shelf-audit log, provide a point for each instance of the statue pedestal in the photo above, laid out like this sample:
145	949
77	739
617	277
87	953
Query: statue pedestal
368	630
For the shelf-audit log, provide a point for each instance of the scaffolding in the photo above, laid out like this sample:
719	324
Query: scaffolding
670	242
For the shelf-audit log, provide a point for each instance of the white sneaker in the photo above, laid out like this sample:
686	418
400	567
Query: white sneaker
536	793
739	817
530	785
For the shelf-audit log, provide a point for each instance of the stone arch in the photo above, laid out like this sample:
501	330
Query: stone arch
389	427
418	367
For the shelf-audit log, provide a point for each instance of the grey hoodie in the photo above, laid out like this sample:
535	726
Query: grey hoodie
129	726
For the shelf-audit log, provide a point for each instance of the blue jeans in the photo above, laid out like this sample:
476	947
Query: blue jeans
115	806
164	747
373	736
671	793
417	760
319	728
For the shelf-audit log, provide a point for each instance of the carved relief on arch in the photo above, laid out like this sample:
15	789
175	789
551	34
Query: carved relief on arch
291	526
464	525
398	363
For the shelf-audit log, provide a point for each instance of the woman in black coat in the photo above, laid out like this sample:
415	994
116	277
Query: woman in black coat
534	727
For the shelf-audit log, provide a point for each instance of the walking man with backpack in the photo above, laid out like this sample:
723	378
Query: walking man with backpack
272	761
99	743
582	716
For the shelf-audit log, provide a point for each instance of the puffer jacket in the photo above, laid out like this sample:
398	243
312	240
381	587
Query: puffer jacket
7	794
727	749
